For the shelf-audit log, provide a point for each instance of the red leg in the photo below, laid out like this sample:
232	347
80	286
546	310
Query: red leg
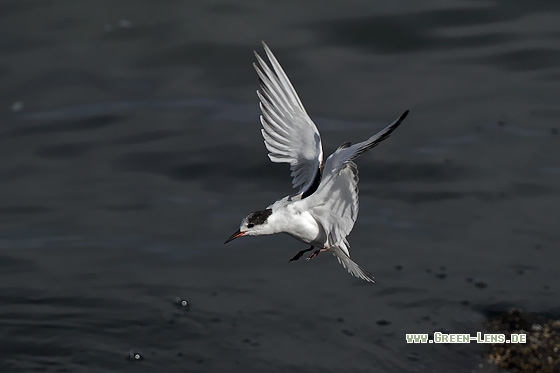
317	252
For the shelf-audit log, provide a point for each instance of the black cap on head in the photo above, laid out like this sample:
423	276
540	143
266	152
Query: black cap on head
258	217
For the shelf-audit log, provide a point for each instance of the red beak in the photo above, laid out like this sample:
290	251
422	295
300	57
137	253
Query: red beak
235	235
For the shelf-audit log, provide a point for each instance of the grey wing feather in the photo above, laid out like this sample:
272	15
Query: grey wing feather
335	202
347	152
289	133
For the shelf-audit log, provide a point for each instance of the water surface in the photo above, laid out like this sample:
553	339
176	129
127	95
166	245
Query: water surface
131	149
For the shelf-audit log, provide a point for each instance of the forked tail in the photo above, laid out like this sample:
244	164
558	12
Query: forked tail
352	267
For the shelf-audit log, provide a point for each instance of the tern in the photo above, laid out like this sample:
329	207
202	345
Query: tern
323	211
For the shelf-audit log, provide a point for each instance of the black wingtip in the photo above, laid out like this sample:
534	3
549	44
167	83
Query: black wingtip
397	123
403	115
382	135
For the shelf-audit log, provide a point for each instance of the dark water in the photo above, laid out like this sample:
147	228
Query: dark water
130	150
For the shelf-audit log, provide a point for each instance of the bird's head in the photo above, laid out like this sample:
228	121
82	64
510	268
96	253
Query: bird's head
254	224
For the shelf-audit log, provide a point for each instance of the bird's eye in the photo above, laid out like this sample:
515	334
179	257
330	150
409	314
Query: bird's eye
250	225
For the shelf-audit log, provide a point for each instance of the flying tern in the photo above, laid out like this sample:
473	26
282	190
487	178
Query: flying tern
323	211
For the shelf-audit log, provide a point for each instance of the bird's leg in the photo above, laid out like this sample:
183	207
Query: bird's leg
316	252
300	253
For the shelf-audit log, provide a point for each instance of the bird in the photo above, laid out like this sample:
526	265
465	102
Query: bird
323	211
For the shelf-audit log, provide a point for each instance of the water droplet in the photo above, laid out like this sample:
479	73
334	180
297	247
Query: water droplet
134	355
180	302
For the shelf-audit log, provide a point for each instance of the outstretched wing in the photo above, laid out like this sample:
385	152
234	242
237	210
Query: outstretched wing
347	152
335	203
289	133
337	214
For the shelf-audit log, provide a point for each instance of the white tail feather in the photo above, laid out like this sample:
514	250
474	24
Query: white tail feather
352	267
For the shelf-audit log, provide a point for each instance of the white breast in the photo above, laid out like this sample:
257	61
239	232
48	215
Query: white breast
299	224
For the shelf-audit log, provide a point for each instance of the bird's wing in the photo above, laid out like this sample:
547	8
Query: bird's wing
337	212
335	202
289	133
347	152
